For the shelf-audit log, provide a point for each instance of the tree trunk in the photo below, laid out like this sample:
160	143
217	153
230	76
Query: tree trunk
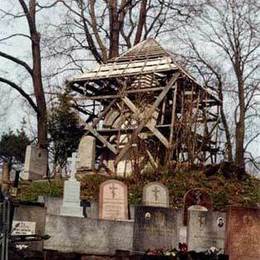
39	93
37	77
224	122
114	30
240	125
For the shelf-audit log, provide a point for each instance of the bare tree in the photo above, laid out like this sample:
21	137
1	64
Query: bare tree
28	11
229	31
100	30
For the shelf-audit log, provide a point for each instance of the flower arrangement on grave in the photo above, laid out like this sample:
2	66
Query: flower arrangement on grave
182	253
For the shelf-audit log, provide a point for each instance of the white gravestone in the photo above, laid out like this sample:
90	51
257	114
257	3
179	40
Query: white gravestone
205	229
36	163
71	194
113	200
155	194
87	152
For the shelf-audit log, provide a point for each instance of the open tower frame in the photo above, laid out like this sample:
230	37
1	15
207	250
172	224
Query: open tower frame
145	108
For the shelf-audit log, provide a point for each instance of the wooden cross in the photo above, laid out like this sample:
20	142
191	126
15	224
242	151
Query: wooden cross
113	188
155	191
74	159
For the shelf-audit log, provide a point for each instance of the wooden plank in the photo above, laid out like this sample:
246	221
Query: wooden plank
173	114
152	128
102	114
125	72
101	138
102	97
145	120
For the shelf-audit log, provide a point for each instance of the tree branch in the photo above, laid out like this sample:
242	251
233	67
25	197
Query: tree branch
21	91
16	60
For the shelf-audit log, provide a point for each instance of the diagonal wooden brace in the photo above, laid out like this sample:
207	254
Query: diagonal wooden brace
148	116
156	132
101	138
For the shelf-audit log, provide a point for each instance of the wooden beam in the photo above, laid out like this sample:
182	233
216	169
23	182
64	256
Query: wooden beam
148	116
152	128
102	97
101	138
173	114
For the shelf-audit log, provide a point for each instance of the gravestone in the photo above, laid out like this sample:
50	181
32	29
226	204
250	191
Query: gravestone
36	163
243	233
113	200
205	229
195	197
154	227
71	194
87	152
155	194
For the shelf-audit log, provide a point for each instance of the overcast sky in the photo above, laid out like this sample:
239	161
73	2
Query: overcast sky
12	107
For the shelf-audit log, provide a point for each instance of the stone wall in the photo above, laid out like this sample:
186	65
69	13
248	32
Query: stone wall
33	212
88	236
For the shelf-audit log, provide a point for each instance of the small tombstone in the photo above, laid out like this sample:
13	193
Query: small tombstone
195	197
71	194
155	194
154	227
87	152
113	200
243	233
36	163
205	228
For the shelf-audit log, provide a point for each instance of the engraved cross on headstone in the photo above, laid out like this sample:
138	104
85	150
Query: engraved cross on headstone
74	160
113	190
156	191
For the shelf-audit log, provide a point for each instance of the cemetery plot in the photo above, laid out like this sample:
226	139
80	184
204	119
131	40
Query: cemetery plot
154	228
206	229
71	194
113	200
195	197
243	233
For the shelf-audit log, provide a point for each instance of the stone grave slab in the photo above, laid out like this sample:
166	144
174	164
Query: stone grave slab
206	229
87	152
154	228
195	197
155	194
113	202
36	163
243	233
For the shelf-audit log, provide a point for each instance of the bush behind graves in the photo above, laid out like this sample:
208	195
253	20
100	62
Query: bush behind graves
224	192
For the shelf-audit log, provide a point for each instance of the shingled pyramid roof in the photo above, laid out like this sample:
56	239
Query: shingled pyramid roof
147	49
146	57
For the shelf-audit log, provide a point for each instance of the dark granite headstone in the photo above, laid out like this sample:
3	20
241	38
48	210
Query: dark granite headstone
243	234
195	197
155	227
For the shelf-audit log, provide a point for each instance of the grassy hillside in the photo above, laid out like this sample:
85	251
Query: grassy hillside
223	191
